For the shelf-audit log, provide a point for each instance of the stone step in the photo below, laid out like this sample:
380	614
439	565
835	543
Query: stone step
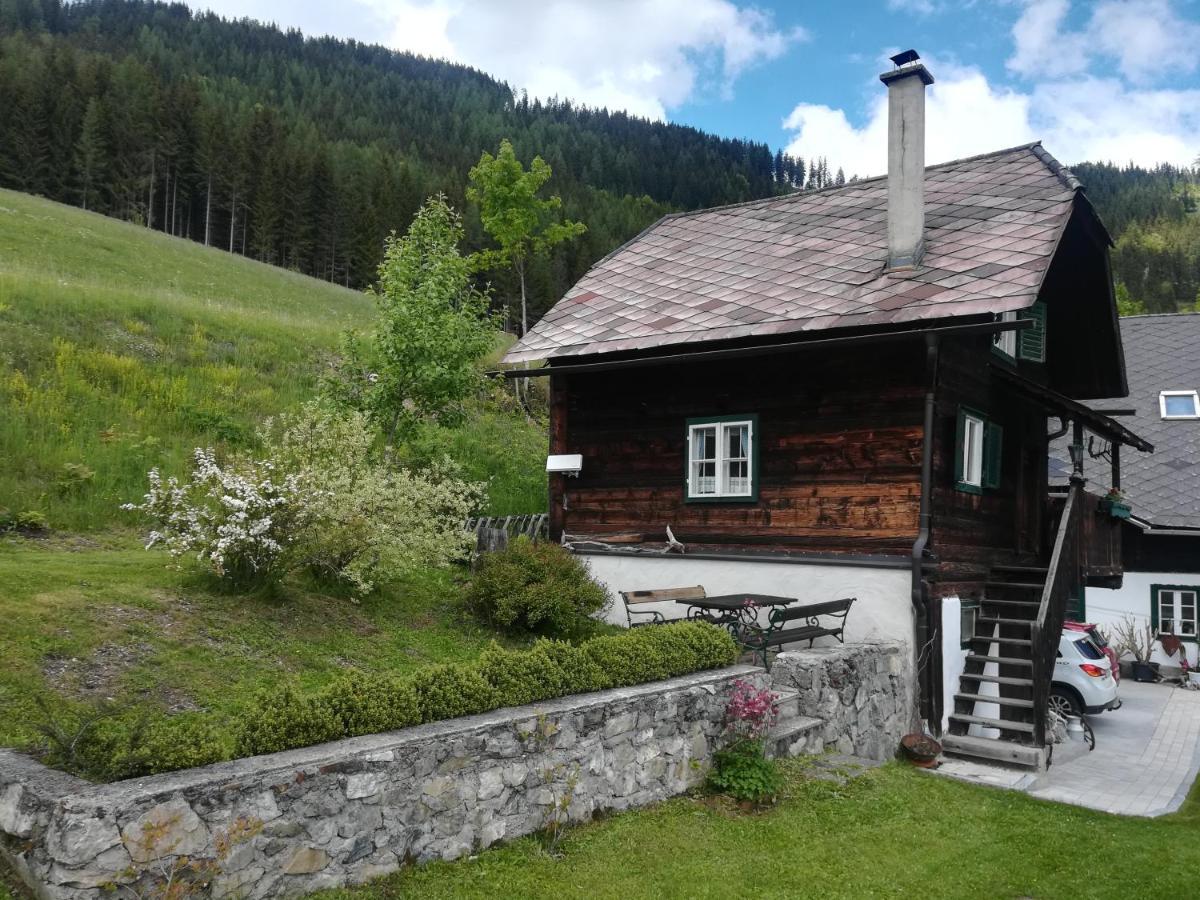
788	702
999	751
794	736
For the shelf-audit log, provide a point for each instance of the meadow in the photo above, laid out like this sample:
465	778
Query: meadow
122	349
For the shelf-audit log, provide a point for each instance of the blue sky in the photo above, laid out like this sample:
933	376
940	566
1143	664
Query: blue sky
1109	79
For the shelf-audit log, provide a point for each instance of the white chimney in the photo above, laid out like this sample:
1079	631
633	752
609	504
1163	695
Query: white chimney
906	159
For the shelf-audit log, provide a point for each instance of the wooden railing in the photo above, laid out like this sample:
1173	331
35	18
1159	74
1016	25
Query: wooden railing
1063	581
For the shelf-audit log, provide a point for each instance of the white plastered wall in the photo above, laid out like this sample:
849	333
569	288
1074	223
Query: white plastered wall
882	609
1107	607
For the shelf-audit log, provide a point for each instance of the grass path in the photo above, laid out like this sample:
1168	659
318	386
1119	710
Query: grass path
892	832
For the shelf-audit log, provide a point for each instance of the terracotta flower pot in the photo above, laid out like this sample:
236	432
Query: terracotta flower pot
920	749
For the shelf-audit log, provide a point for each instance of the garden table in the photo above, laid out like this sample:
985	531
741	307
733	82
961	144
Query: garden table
732	611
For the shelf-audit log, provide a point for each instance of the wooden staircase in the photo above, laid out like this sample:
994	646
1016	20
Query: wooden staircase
994	706
1000	709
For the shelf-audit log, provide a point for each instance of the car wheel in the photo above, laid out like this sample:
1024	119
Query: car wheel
1065	701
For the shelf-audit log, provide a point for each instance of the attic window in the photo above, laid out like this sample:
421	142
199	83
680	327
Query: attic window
1179	405
722	458
1006	341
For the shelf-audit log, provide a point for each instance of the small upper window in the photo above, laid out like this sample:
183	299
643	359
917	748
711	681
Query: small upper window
1179	405
721	458
1006	341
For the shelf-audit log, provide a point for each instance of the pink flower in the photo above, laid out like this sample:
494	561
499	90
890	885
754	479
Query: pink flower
751	711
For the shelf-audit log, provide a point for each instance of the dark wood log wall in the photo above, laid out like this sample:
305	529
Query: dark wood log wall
973	532
840	439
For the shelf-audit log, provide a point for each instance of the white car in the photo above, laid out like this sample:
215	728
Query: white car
1082	681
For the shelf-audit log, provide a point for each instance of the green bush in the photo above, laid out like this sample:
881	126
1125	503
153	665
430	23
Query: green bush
448	691
109	746
284	719
580	674
371	704
178	742
31	521
535	587
522	676
744	773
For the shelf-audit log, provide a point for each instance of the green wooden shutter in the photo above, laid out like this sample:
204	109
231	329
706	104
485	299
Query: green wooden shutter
1031	343
993	454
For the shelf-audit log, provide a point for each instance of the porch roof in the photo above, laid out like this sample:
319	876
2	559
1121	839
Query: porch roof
1059	404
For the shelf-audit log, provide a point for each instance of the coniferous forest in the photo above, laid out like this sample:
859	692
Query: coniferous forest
307	152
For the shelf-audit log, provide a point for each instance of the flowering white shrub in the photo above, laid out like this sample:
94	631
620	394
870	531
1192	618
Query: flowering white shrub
242	518
319	499
370	521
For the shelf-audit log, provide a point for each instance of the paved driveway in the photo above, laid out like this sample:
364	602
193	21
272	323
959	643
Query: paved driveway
1147	756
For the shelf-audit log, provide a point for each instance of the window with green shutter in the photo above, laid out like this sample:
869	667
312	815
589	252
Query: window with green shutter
978	452
1031	343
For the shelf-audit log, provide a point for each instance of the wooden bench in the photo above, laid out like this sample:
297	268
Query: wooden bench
780	629
662	595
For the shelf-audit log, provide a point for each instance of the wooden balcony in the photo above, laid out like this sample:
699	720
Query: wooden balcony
1100	544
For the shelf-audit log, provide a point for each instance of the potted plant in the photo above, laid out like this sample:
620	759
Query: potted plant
920	749
1115	504
1138	641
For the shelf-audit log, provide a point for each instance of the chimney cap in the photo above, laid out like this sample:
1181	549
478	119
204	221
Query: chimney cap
907	63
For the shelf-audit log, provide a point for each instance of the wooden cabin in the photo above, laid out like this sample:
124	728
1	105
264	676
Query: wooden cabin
850	392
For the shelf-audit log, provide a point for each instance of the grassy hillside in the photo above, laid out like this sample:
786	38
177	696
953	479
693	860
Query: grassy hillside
123	348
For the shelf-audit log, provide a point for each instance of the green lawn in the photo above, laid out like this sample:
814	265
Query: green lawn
893	832
122	348
89	618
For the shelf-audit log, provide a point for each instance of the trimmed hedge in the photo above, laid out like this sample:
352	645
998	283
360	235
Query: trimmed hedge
365	704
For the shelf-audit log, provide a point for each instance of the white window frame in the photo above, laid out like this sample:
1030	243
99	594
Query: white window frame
972	450
1162	403
722	459
1176	595
1006	341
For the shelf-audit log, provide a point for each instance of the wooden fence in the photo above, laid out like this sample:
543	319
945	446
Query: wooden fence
494	532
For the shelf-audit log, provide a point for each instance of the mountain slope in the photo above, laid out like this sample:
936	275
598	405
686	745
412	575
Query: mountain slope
122	349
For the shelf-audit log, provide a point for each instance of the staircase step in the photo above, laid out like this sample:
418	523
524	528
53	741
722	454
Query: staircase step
990	748
1002	660
793	737
1002	724
788	701
1019	642
996	620
1012	604
1019	585
999	701
999	679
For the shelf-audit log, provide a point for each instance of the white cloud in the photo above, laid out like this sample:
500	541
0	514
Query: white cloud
644	57
1145	39
964	115
1082	119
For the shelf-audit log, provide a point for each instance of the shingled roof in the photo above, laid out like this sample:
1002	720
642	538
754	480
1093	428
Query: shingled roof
815	260
1160	355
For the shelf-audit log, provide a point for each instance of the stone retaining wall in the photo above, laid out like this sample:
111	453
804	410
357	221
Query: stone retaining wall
355	809
864	694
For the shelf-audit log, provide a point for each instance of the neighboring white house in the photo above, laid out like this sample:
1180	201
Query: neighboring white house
1161	542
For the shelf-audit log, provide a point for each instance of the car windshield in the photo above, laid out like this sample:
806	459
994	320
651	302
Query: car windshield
1088	649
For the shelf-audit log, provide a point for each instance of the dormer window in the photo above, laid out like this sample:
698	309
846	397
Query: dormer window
1179	405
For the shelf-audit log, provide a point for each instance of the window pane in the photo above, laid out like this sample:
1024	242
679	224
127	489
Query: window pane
973	451
1180	405
704	478
1088	650
736	440
739	476
704	443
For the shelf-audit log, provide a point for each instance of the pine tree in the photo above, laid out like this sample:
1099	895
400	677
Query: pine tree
91	157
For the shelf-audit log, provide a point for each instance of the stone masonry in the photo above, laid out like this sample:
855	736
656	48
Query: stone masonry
355	809
863	693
